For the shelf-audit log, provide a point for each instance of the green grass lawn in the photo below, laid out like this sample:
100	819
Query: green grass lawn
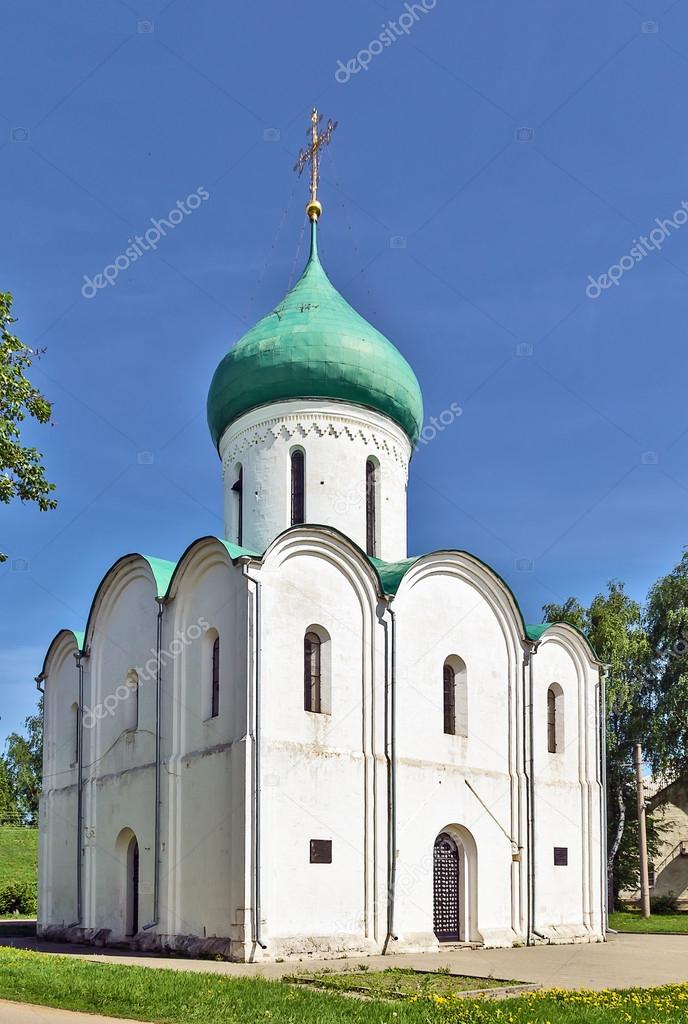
396	982
183	997
18	854
633	921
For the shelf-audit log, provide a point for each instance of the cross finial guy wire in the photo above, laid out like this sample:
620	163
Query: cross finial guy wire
311	155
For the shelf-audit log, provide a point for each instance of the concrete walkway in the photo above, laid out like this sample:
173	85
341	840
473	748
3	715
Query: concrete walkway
25	1013
622	962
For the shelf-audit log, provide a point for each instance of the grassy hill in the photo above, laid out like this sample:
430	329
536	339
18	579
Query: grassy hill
18	854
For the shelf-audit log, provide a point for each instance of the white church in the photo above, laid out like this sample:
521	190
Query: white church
297	740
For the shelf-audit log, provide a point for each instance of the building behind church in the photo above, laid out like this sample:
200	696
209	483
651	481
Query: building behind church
298	740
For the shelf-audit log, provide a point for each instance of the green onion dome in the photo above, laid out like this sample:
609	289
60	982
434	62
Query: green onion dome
314	345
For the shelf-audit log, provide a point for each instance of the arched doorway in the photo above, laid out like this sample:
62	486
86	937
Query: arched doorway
132	905
446	888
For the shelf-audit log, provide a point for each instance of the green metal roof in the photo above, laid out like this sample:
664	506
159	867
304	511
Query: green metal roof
534	632
236	551
391	573
162	573
314	345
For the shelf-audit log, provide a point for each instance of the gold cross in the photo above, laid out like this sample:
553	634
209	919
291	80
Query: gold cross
311	155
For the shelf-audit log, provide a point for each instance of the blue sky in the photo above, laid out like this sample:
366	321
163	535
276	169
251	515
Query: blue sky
487	162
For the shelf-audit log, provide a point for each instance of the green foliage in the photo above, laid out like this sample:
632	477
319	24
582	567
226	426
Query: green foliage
665	695
664	904
21	472
397	982
615	627
190	997
658	924
18	855
18	898
8	806
23	763
627	863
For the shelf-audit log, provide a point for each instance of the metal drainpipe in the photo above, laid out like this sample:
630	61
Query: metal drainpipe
254	735
158	745
526	772
38	680
391	751
603	796
530	774
79	656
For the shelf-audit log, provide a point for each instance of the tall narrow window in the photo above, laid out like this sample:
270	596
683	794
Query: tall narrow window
371	498
238	489
298	488
312	673
215	698
551	721
449	700
455	686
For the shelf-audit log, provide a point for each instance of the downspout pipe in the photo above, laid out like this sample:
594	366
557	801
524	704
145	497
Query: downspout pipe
604	669
532	931
255	737
391	755
158	752
39	679
79	656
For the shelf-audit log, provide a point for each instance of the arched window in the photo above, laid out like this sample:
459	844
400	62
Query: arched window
238	489
312	672
132	903
298	487
371	507
555	719
449	700
455	693
215	680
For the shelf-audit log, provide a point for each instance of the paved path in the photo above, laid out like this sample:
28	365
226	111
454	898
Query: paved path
24	1013
623	961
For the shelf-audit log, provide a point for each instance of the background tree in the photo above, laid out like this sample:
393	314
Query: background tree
665	694
614	626
21	472
23	760
8	807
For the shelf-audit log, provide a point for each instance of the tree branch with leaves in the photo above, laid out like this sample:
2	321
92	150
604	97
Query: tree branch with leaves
22	474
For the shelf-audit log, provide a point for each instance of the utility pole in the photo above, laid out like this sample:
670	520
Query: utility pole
642	832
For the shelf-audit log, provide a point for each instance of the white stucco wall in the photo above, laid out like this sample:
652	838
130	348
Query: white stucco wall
242	794
476	625
567	808
205	757
322	774
57	901
118	770
337	439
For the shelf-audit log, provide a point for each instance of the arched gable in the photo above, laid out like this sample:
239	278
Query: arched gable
120	572
569	637
476	573
199	555
335	548
64	643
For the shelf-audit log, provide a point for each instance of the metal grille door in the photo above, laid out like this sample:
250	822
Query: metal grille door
446	889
